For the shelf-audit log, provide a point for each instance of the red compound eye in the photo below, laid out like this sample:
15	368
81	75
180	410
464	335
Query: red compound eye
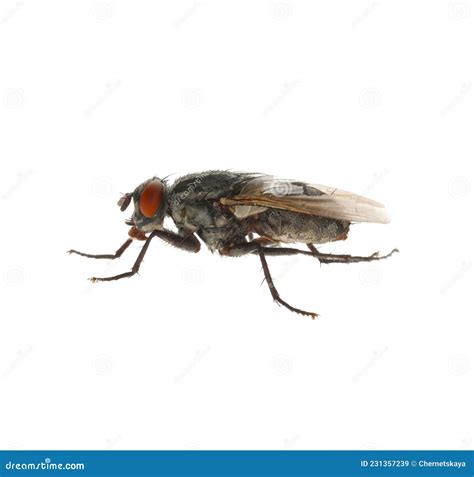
150	198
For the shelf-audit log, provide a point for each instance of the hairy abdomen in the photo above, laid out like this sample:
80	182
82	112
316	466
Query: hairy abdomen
290	227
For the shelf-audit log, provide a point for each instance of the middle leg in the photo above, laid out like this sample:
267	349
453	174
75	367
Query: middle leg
255	247
274	291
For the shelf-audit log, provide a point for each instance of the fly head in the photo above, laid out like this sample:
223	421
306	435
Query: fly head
149	200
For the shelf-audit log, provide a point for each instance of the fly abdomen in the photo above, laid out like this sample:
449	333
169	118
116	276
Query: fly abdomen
290	227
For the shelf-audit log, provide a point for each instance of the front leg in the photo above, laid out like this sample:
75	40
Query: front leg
133	233
135	268
110	256
190	242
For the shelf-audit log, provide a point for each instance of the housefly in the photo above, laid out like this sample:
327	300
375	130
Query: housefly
238	213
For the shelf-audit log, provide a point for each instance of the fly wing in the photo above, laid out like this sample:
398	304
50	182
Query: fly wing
269	192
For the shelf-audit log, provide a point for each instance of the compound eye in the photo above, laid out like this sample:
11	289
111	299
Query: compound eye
150	198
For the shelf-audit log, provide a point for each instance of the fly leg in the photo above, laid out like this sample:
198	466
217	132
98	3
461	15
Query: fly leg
111	256
327	257
313	249
240	249
256	248
133	233
245	248
333	258
135	268
276	296
190	243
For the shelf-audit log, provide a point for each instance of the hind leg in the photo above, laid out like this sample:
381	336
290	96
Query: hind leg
326	257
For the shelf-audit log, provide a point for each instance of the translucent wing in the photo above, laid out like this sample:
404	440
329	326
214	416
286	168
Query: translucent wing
263	192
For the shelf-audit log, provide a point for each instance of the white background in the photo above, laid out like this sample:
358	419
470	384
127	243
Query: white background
372	97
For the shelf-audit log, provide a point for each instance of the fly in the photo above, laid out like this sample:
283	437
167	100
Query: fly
238	213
